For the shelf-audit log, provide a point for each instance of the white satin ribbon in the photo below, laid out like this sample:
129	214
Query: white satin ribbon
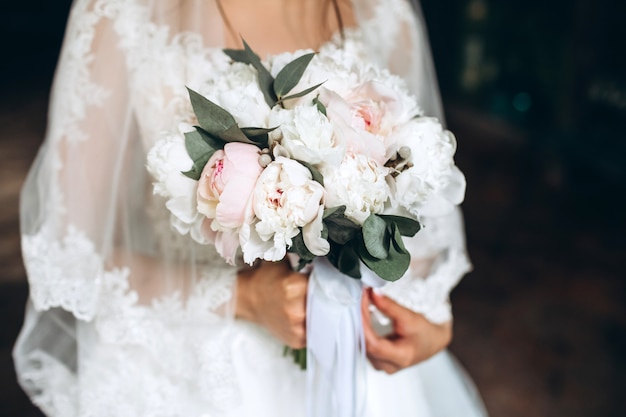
335	344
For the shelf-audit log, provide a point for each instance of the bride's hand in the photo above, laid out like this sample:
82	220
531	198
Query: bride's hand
274	296
413	339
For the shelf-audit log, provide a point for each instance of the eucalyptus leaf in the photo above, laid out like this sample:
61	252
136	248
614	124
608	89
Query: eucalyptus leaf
302	93
193	173
406	226
315	174
258	135
196	146
334	211
348	262
238	55
397	242
395	265
257	131
341	235
320	106
299	247
196	170
235	134
375	236
215	120
340	228
211	140
291	74
266	81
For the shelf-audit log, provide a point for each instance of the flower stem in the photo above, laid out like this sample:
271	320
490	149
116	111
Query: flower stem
298	355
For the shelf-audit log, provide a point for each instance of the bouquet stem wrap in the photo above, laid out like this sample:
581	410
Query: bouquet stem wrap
335	343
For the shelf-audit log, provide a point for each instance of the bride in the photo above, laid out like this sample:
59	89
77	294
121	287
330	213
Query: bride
127	317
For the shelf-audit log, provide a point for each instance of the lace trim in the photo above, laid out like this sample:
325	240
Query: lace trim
51	385
135	346
65	273
429	295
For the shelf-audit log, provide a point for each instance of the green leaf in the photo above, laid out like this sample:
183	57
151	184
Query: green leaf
257	131
406	226
348	262
196	170
200	151
395	265
215	120
315	174
211	140
340	228
375	237
196	146
320	106
258	135
291	74
238	55
266	81
334	211
397	242
301	93
193	173
299	247
341	235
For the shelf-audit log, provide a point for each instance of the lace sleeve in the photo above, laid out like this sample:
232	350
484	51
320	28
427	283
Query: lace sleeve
109	279
87	209
438	262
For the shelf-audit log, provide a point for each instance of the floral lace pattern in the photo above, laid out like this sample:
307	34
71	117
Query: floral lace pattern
68	110
429	295
45	376
57	279
135	341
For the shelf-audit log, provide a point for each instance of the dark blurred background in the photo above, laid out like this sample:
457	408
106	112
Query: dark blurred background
535	92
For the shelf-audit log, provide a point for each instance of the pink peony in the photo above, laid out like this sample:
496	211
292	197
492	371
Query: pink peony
224	192
366	118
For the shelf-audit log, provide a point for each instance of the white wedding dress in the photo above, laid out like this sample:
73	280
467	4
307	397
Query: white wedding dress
126	317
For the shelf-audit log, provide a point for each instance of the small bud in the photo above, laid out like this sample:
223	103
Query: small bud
265	160
404	152
265	151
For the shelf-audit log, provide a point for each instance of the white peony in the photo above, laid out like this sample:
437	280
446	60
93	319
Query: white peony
285	199
433	185
366	118
237	90
166	161
360	184
305	133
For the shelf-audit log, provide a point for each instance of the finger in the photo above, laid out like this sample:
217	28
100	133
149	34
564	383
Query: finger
365	308
371	337
295	287
387	306
296	342
378	346
384	366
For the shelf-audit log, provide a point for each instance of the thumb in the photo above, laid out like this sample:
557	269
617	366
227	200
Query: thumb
386	305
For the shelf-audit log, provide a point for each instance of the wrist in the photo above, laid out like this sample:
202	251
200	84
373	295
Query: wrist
244	303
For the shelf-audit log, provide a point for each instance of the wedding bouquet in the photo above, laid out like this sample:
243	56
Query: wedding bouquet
313	154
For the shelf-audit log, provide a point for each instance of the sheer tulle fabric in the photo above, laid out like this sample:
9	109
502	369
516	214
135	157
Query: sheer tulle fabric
128	317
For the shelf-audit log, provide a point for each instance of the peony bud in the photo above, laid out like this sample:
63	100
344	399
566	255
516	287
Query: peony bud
404	152
265	160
